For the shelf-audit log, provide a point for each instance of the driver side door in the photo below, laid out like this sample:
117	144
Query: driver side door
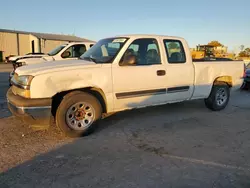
143	83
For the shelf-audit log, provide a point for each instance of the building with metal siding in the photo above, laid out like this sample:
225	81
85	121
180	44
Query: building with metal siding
14	42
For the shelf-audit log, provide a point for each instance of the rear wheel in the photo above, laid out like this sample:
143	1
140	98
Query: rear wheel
78	114
219	96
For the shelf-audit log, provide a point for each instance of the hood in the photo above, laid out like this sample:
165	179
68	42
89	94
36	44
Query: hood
36	60
55	66
48	58
14	58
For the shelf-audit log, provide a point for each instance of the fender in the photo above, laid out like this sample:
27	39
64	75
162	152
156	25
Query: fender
226	79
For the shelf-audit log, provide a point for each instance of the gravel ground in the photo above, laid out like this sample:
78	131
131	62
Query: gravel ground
177	145
21	142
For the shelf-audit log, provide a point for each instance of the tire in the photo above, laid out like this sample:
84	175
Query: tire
78	114
219	96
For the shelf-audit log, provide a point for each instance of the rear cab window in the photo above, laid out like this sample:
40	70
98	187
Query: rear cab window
174	51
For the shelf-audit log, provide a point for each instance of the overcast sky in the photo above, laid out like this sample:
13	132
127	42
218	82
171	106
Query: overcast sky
198	21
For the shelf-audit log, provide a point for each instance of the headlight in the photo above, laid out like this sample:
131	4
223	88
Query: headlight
22	80
21	85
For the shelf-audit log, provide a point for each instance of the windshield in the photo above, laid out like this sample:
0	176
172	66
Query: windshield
56	50
105	50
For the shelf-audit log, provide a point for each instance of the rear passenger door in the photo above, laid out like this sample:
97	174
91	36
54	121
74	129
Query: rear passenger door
179	70
142	83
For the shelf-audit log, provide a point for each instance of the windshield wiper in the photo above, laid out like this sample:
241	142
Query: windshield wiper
90	58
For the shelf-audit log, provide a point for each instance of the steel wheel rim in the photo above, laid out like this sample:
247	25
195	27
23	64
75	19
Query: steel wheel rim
221	96
80	116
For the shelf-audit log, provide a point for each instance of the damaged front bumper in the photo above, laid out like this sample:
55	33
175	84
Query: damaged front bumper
31	111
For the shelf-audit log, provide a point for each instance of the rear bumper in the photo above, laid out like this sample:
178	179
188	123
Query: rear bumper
31	111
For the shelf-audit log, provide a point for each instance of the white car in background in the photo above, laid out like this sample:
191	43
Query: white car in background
13	59
69	51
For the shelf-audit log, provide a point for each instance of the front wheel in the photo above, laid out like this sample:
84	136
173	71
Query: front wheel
78	114
219	96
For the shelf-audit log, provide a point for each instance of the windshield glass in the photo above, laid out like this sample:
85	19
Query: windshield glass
105	50
56	50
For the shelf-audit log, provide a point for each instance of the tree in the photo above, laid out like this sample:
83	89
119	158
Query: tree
247	50
215	43
245	53
242	54
242	47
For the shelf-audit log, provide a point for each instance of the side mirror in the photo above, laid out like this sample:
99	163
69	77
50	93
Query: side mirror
129	60
66	54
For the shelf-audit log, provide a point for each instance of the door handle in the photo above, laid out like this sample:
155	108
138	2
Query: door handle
161	72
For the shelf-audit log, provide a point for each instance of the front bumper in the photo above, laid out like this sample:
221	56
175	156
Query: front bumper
31	111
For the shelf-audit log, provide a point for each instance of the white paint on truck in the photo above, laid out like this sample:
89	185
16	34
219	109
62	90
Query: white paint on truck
133	71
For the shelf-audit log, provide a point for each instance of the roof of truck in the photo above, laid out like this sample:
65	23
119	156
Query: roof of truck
148	36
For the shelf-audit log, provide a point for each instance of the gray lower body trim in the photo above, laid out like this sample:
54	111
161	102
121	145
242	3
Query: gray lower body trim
140	93
151	92
32	115
178	89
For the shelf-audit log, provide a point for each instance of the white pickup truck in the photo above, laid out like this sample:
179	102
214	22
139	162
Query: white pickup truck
117	74
68	51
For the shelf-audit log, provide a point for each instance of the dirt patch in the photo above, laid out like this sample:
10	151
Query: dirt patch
20	142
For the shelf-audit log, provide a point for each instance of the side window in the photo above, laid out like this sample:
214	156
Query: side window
175	51
75	51
141	52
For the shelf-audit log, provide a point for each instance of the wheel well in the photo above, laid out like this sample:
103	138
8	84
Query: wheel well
98	93
225	79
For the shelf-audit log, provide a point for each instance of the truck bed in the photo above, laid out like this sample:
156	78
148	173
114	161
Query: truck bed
206	71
